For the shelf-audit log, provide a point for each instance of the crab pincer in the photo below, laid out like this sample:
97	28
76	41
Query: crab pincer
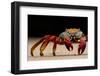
68	44
82	45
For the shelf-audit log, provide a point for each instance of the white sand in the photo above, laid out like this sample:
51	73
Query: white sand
61	51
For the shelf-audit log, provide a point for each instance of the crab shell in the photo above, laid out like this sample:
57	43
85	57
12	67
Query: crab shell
73	36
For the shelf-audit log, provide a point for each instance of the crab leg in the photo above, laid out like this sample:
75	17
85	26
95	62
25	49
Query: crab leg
54	48
82	45
68	44
43	46
35	45
45	43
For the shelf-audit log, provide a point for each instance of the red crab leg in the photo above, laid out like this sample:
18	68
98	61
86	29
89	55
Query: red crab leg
68	44
40	41
82	45
45	43
54	48
43	46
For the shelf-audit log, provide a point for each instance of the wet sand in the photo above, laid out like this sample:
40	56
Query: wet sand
61	52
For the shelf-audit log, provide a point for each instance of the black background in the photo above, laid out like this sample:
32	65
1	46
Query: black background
40	25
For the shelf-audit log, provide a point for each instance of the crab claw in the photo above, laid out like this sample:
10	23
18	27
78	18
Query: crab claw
68	44
82	45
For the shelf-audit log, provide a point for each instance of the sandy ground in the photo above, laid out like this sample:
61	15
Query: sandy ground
61	51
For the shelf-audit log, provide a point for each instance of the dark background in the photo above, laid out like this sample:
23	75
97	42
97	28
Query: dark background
40	25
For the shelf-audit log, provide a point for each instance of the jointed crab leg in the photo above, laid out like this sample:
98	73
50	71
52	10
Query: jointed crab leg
45	43
54	48
34	46
43	46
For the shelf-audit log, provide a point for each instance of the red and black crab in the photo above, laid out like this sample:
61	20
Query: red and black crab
66	38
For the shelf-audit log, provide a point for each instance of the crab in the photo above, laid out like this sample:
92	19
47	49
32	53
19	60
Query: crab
67	38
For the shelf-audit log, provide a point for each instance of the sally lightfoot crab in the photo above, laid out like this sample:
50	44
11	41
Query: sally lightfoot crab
66	38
